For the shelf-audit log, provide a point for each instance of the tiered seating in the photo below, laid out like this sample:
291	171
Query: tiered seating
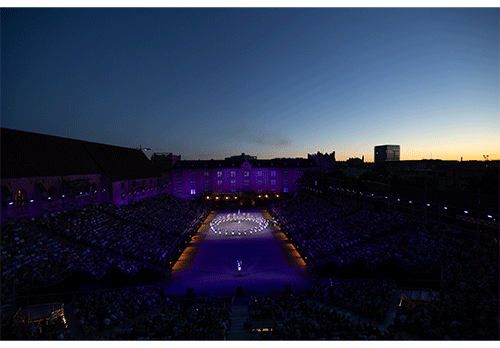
367	298
200	319
97	311
467	306
298	318
94	238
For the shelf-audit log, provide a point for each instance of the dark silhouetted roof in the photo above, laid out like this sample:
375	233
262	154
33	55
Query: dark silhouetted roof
26	154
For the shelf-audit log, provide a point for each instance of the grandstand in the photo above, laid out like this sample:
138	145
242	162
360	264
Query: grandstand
315	267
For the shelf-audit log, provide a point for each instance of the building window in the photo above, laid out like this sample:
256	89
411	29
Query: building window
246	182
123	185
219	191
285	172
273	181
219	182
246	173
179	191
285	181
205	183
259	182
123	196
233	191
299	172
193	182
178	174
193	191
259	190
192	174
19	199
233	182
219	173
233	174
206	190
259	173
179	182
273	173
206	174
285	189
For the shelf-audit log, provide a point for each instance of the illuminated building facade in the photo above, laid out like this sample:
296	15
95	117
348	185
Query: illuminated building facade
192	179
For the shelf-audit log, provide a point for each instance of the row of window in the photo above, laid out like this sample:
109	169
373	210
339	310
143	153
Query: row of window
206	183
245	173
206	191
134	183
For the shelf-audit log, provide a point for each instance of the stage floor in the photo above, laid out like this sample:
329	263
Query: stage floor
208	265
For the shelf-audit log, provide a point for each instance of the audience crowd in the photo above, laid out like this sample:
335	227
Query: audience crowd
367	298
357	234
200	319
42	251
298	318
468	306
98	311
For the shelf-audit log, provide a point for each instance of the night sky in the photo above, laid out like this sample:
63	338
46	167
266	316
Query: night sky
211	83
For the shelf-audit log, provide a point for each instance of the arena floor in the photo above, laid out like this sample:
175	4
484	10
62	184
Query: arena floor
209	264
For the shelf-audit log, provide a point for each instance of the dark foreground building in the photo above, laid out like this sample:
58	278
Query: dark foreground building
44	173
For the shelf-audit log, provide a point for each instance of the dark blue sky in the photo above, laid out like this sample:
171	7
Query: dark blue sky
210	83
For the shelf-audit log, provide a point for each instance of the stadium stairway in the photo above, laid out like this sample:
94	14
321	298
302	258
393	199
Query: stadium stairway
238	317
391	311
72	322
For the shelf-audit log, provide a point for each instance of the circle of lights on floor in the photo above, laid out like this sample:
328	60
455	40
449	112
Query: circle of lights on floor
259	223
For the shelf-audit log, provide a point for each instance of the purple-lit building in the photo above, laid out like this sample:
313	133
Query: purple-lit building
192	179
41	174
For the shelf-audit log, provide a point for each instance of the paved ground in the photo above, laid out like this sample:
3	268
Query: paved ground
209	267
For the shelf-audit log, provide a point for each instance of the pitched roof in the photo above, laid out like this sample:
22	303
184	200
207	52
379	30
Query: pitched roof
122	163
26	154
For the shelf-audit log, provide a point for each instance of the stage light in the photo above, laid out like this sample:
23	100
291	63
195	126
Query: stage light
31	201
398	200
491	217
428	205
10	203
410	201
446	208
466	212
